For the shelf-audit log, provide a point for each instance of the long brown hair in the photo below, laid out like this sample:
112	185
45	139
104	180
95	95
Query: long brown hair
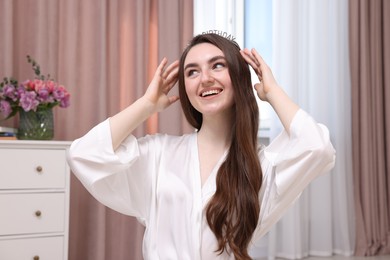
233	211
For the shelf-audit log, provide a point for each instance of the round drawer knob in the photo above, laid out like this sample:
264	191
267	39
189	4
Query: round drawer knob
39	169
38	213
36	257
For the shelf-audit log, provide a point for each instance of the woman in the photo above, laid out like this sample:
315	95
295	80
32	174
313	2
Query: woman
211	193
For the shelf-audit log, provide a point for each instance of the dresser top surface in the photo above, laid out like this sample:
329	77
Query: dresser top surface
53	144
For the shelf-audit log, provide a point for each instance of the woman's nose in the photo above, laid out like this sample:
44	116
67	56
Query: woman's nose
207	77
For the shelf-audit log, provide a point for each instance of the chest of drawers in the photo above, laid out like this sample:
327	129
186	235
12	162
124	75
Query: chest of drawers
34	200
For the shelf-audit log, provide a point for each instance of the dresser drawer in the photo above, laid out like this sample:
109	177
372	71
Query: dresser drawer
44	248
29	213
32	168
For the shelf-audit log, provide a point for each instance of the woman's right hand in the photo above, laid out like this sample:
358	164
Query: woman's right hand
154	100
163	81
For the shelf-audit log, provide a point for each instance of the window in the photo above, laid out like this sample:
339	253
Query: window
258	35
250	22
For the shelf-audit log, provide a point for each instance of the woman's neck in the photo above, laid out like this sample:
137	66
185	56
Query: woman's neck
216	131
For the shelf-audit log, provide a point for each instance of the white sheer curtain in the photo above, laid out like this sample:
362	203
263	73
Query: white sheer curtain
310	61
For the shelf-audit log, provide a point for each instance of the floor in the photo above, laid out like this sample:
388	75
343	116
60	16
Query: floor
339	257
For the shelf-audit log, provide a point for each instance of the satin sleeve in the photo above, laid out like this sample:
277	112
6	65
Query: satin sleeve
119	179
289	164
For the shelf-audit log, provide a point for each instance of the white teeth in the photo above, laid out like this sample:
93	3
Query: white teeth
210	92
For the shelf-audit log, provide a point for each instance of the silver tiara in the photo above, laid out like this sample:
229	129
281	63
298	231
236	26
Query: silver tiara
221	33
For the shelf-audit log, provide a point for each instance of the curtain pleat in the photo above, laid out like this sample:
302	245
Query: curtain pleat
104	52
370	69
310	61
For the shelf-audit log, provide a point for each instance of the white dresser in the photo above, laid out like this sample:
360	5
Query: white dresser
34	200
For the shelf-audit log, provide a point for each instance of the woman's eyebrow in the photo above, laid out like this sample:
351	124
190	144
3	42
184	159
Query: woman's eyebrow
190	65
213	59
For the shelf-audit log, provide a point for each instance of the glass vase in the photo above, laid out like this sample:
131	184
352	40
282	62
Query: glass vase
36	125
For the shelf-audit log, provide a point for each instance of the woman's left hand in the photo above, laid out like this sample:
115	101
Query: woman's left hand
263	72
269	90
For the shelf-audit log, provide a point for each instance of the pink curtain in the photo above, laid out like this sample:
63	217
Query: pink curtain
104	52
370	78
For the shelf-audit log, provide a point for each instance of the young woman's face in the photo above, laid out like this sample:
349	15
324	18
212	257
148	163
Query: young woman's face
207	80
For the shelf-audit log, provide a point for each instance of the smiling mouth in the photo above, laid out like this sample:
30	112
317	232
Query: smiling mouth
212	92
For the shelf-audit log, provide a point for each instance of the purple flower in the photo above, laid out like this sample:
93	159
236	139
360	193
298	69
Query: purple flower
9	91
36	94
59	93
44	95
5	108
28	101
65	102
20	90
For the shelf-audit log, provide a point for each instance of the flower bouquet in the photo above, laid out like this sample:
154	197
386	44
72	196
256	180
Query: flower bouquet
34	100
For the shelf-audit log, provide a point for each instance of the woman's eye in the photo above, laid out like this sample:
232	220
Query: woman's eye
219	65
191	73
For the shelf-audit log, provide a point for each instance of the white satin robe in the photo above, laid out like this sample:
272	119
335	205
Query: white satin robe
157	179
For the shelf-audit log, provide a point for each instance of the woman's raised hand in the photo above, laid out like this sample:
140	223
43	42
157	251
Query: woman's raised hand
269	90
163	81
263	72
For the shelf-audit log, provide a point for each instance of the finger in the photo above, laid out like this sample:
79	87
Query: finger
173	66
252	61
160	67
258	58
173	76
249	58
251	55
173	99
260	64
257	85
169	86
246	54
171	80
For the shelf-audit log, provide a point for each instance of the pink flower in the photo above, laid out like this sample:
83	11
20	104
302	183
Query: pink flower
65	101
28	101
37	94
9	91
5	108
